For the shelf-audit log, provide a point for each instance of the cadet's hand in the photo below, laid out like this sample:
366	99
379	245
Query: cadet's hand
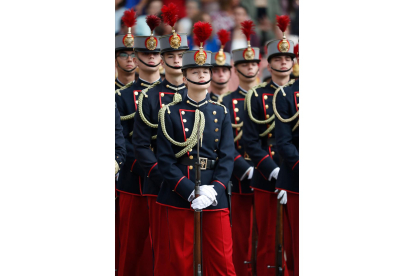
282	196
210	192
274	174
201	202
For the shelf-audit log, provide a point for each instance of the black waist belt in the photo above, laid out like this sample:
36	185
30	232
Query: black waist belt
271	141
205	164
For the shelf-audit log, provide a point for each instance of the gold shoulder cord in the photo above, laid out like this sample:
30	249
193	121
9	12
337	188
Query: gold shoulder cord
140	112
219	104
118	91
277	113
220	99
192	140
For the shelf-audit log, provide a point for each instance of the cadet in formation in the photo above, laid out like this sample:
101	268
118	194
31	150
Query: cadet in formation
144	138
261	146
177	154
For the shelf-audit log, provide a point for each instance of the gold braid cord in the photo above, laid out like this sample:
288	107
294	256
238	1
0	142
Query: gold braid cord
118	91
220	99
238	136
192	140
277	113
219	104
128	117
140	99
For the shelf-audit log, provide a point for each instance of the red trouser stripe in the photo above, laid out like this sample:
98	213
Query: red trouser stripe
135	253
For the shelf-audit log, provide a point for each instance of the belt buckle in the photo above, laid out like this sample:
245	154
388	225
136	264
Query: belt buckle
203	163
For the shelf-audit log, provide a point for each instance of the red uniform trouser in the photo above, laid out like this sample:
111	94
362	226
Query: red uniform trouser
116	236
135	252
242	210
159	236
216	242
266	215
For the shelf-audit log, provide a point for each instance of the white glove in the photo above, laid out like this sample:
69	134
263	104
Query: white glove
117	176
282	196
249	173
274	174
208	191
201	202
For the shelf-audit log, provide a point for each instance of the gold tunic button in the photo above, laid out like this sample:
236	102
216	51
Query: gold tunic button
136	102
267	116
239	147
191	157
273	153
298	105
162	105
215	150
191	167
215	120
162	94
185	120
190	150
136	93
270	145
183	112
216	130
237	119
267	106
297	95
236	109
235	101
270	134
214	112
216	140
265	97
186	129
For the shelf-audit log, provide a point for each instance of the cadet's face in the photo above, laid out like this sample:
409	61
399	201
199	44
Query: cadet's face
221	74
124	59
280	63
198	75
149	58
174	59
248	69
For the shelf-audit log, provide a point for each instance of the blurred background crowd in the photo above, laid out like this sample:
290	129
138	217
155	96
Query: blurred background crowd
222	14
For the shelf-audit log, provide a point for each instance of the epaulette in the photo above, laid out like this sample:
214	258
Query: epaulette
144	91
219	104
221	97
118	91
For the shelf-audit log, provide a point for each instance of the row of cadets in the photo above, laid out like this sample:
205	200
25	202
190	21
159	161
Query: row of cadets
286	132
260	144
177	154
246	63
135	252
125	61
144	138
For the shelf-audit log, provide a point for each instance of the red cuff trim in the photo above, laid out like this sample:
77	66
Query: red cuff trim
237	157
295	165
152	168
178	183
262	160
220	183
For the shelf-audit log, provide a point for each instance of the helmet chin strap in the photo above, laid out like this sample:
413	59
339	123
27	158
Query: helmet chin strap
149	65
249	77
128	71
198	83
281	71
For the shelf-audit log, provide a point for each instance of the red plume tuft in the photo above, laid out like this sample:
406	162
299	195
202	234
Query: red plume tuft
170	14
283	21
223	36
153	21
129	18
247	28
296	50
196	41
202	30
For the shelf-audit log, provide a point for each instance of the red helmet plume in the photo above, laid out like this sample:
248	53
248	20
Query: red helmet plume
170	14
282	22
129	18
223	36
247	28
